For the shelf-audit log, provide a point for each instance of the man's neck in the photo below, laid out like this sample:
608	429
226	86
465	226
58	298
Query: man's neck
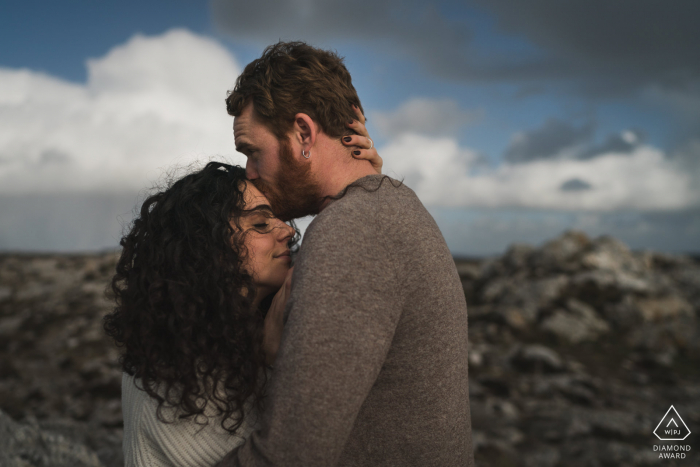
338	181
339	169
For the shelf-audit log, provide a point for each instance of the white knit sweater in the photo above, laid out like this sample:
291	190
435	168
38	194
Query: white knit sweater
148	442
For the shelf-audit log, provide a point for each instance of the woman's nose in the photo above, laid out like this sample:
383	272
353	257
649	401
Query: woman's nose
286	231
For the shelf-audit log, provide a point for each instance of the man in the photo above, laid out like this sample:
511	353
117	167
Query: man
372	367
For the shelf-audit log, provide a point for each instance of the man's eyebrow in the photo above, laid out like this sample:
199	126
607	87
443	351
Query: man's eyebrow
241	147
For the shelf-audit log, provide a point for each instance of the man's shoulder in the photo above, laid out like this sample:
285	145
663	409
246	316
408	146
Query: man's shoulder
372	194
364	206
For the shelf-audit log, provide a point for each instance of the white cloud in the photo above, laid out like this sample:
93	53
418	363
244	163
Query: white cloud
155	102
444	174
147	105
433	117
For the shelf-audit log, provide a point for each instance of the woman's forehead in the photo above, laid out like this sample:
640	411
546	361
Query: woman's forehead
254	197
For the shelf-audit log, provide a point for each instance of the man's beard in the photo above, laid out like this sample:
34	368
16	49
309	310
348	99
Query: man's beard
296	193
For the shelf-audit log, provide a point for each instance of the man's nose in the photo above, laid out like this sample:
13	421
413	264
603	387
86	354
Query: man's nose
251	172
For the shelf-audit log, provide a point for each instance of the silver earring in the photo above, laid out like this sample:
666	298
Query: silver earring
304	154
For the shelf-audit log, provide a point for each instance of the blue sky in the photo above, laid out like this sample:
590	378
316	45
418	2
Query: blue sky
512	122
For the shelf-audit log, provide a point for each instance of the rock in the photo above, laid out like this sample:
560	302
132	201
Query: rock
468	270
5	293
664	308
577	349
504	410
529	297
105	442
497	386
495	289
607	253
537	358
668	262
687	281
475	358
544	457
663	359
515	318
557	254
660	337
601	452
578	323
55	361
617	424
517	256
600	287
475	389
10	325
624	314
24	445
496	452
577	388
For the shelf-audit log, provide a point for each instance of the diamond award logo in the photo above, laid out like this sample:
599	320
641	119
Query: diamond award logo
672	427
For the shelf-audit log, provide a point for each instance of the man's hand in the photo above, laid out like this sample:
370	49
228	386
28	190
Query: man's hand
274	320
362	145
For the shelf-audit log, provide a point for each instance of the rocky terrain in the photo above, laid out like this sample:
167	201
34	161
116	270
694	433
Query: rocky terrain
578	349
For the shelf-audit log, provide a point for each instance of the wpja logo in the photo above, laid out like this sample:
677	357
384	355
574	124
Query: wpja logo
671	428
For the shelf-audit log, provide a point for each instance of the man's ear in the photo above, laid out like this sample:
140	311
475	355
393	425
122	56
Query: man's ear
304	131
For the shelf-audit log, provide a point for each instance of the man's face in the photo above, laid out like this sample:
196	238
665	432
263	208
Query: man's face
272	168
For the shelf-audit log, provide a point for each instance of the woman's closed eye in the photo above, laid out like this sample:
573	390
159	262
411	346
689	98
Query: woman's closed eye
261	223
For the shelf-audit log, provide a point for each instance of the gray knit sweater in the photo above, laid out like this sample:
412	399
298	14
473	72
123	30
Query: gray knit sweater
372	368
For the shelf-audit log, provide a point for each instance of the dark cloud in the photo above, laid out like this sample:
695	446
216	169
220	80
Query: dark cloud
575	184
608	47
557	138
546	142
411	28
600	46
619	143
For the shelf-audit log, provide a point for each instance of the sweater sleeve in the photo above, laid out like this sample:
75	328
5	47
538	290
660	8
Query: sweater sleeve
148	442
343	312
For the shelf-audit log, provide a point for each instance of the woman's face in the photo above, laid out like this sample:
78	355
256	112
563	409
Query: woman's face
266	240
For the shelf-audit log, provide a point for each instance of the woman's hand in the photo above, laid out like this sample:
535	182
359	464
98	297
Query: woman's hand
274	320
363	146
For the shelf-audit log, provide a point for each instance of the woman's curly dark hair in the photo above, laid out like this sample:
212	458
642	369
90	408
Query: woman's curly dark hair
184	314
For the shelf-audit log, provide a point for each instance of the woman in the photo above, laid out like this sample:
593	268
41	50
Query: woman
199	291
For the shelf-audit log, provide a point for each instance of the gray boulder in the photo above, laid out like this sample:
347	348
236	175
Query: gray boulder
576	323
27	445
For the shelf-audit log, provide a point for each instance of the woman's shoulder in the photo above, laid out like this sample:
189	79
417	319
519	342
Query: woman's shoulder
149	441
